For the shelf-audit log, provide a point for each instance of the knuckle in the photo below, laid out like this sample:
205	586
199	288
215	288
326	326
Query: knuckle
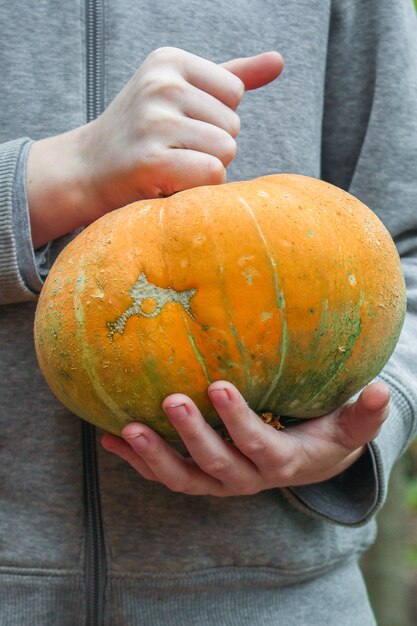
217	466
234	125
194	432
237	90
229	149
153	456
155	130
182	486
285	474
161	86
166	125
164	54
214	172
254	446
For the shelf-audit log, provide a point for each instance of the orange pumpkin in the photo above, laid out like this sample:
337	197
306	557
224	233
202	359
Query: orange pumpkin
285	285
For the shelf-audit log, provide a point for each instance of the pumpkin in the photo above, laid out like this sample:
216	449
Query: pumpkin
286	286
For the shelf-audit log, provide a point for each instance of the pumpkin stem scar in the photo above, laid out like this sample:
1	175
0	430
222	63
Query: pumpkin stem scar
142	290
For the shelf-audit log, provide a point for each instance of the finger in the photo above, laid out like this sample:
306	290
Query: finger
215	80
197	71
173	96
258	441
169	467
199	136
183	169
258	70
117	446
361	421
211	453
200	105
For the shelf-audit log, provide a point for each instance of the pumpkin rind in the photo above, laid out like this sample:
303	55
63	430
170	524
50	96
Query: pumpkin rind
286	286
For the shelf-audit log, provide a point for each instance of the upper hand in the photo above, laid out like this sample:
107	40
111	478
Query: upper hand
260	457
172	127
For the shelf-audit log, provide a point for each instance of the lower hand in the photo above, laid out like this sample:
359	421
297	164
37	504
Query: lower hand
260	457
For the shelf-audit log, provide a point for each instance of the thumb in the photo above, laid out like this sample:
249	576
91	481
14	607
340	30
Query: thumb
256	71
361	421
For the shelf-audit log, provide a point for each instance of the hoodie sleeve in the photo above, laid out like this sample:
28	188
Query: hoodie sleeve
370	149
18	277
22	269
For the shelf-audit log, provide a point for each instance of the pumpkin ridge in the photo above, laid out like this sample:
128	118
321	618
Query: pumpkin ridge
87	352
238	340
340	363
169	273
280	305
195	349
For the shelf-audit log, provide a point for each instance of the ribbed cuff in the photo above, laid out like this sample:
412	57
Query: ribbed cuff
353	497
347	499
30	261
13	287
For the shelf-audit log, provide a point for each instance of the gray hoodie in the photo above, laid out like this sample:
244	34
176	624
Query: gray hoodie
83	539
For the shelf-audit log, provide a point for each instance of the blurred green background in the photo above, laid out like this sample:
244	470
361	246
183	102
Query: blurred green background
390	567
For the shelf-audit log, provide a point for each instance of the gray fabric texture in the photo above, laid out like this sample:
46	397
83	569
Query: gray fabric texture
342	111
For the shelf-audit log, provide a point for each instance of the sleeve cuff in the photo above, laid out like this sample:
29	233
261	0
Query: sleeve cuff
357	494
30	262
348	499
13	285
23	270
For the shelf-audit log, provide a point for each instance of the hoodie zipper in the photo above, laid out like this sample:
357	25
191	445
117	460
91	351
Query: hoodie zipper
94	20
95	554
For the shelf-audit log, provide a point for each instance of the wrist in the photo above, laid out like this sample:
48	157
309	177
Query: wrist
59	196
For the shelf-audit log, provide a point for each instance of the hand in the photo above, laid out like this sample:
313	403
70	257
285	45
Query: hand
172	127
260	456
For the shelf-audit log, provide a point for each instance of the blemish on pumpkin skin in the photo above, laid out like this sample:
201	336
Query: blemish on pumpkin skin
242	260
199	239
266	315
143	291
144	210
250	273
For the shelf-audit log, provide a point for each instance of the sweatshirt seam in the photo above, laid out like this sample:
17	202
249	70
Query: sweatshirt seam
227	570
41	572
232	570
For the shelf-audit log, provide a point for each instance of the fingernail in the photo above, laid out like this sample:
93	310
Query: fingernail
132	434
219	396
138	441
177	410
